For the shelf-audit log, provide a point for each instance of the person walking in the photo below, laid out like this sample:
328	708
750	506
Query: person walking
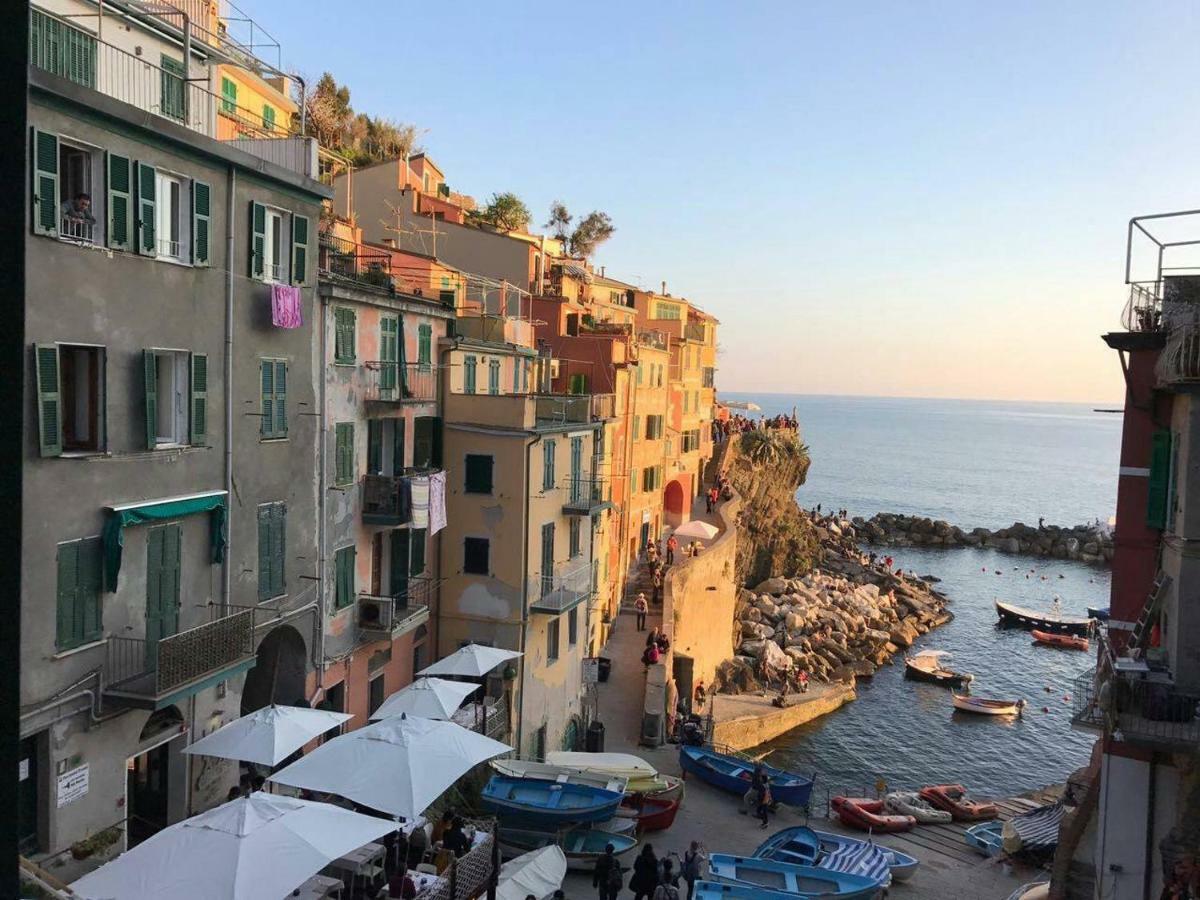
672	546
645	874
708	495
606	877
640	607
693	865
763	801
668	881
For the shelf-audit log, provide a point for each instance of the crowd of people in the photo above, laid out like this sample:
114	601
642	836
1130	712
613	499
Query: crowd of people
652	877
739	424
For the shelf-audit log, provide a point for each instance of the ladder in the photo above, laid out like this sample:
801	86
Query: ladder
1139	638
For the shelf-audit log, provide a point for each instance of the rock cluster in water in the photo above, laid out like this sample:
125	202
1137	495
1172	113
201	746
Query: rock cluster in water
1085	543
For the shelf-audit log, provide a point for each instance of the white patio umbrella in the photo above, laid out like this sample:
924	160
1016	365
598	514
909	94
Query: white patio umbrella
430	698
398	766
253	847
473	660
697	529
269	735
538	873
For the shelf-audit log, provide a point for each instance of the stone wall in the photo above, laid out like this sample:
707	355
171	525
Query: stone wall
1085	543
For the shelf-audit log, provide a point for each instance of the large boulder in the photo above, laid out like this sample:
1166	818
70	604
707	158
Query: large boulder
774	657
773	586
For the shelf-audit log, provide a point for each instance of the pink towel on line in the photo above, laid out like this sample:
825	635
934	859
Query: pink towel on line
286	311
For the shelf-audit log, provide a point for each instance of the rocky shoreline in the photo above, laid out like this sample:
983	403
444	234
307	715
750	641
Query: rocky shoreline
1083	543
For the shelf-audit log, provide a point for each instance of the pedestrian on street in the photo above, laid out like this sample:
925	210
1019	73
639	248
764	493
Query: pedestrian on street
640	607
645	874
672	546
763	801
606	877
693	865
658	588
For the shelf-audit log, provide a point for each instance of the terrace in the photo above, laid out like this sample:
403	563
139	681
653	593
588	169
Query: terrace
389	616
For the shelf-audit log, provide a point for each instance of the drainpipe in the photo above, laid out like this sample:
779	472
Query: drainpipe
187	60
524	586
322	525
227	580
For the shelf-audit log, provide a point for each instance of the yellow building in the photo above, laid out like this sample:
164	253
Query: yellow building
253	105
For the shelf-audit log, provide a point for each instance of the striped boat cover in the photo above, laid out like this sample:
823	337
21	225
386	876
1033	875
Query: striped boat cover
1038	828
867	860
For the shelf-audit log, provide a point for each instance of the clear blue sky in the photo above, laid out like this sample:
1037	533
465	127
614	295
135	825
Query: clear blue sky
922	199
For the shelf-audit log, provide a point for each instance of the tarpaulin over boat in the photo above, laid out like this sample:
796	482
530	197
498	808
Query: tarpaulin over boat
867	860
1034	830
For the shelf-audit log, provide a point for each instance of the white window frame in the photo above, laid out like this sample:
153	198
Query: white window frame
94	187
178	379
101	411
178	251
273	250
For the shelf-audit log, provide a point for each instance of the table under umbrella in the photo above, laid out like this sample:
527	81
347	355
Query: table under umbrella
429	698
697	529
473	660
269	735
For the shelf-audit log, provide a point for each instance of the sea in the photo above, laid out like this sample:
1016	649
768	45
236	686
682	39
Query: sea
972	463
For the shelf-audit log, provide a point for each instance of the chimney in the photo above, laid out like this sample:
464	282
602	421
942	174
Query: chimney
664	290
389	242
602	271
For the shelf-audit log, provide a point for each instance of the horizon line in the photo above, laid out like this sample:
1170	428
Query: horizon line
1106	404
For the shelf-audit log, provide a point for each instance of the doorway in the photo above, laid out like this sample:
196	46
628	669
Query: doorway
156	778
162	588
645	537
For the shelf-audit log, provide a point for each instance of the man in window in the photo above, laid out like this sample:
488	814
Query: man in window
78	210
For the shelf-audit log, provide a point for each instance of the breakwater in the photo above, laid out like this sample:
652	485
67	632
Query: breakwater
1081	543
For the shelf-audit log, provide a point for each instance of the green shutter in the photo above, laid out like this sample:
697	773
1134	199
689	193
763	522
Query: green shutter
45	359
343	338
344	577
435	453
389	335
68	591
150	396
425	345
228	96
268	117
478	474
264	553
344	453
146	244
45	183
118	201
258	239
1160	476
281	424
416	552
201	222
172	81
78	593
299	246
199	423
375	446
278	548
90	588
267	370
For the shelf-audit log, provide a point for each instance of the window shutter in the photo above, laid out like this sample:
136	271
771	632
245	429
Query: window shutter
435	453
375	446
258	239
49	399
146	244
118	201
264	552
278	548
281	424
199	399
1160	474
201	222
416	552
299	248
424	344
45	183
267	367
89	588
343	341
68	591
172	85
150	390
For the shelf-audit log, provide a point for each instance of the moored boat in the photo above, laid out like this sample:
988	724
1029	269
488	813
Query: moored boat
985	707
802	881
910	803
581	846
640	776
869	815
1065	641
652	813
1020	617
1099	613
986	837
716	890
548	802
954	799
733	774
928	666
523	768
805	846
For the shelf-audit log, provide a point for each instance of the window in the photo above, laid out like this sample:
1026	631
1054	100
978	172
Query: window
272	546
640	370
654	428
479	474
375	694
172	84
637	428
268	117
169	226
273	248
708	376
343	577
666	311
633	480
70	390
494	376
573	627
686	398
343	457
660	368
516	369
468	374
548	466
578	384
424	345
166	383
695	401
375	446
80	565
274	398
574	547
79	204
344	338
228	97
416	551
552	640
475	556
652	478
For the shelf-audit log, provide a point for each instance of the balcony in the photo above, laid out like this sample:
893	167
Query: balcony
555	594
494	329
394	382
586	495
694	331
567	409
340	258
1179	363
657	340
386	498
1138	708
78	230
389	617
153	674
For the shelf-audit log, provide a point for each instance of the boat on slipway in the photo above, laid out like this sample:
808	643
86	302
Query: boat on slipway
910	803
986	837
581	846
733	773
954	799
539	801
869	815
805	846
1015	616
930	666
787	878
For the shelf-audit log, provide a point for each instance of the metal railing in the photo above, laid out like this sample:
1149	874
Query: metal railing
154	668
358	262
655	339
693	331
1179	363
585	493
562	409
77	230
384	496
1156	306
168	248
397	613
562	591
1139	710
395	382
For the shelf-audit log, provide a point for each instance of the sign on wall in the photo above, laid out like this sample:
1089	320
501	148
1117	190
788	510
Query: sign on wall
591	670
72	785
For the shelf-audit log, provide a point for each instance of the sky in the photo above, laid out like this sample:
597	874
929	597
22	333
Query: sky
891	199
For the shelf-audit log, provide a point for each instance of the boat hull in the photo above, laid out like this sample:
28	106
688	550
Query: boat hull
904	803
652	814
981	707
581	846
796	880
944	678
1061	641
1019	617
953	798
1099	613
729	773
986	837
539	802
868	815
802	845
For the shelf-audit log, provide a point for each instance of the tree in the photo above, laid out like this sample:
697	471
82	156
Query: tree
360	138
592	230
559	222
505	211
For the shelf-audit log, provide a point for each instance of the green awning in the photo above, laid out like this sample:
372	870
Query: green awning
158	511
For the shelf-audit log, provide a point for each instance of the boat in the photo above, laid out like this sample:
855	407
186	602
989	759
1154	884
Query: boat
1099	613
927	666
618	824
523	768
910	803
715	890
953	798
805	846
581	846
652	813
640	776
986	837
548	802
1035	890
869	815
788	878
732	773
985	707
1020	617
1064	641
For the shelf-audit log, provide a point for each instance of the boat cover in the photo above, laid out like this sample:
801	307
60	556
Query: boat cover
1034	830
865	859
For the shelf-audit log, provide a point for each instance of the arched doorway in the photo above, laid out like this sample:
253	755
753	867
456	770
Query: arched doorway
279	671
156	777
674	499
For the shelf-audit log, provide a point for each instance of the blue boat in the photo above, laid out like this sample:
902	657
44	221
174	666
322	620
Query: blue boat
986	837
786	878
1099	613
804	846
581	846
548	803
715	890
732	773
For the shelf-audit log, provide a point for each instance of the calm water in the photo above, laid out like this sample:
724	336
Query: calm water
971	463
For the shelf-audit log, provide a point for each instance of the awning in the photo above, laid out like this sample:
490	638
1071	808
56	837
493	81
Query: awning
157	511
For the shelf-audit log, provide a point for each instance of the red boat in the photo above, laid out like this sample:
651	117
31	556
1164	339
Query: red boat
868	815
1065	641
653	813
954	800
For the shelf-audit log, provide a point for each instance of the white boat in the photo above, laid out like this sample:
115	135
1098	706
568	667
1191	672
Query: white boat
909	803
641	777
985	707
522	768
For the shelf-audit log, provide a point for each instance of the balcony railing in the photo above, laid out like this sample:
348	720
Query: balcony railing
1137	709
144	673
393	615
569	409
386	499
586	495
1156	306
394	382
1179	363
77	230
555	594
693	331
358	262
655	339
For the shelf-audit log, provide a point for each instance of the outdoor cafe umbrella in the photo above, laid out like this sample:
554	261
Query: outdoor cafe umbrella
261	846
473	660
538	873
697	529
269	735
430	698
398	766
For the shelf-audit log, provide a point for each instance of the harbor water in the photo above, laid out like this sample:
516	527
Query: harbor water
974	464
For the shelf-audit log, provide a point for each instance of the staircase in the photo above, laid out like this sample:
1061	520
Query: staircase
1139	639
640	581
